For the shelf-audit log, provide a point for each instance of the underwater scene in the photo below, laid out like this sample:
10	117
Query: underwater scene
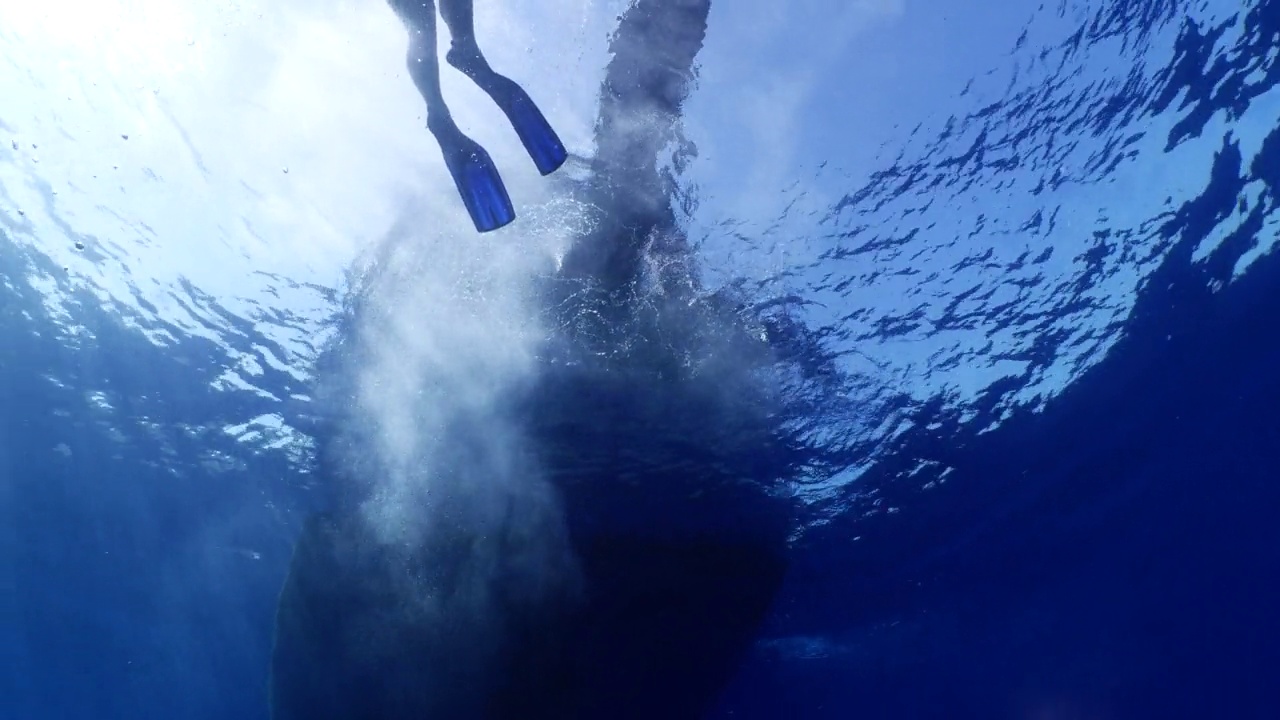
629	359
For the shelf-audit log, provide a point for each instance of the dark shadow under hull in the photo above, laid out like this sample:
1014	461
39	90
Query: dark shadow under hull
655	629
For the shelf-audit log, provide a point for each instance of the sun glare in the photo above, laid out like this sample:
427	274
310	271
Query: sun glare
143	36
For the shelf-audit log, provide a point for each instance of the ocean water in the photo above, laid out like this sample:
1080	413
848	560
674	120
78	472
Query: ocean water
969	308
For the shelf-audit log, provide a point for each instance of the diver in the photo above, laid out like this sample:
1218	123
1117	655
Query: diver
473	171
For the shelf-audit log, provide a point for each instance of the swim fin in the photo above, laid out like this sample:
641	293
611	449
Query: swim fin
539	139
477	180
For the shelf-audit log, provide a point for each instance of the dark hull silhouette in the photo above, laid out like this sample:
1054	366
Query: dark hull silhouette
663	479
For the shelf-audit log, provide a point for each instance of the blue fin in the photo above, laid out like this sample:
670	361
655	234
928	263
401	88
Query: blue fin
539	139
477	180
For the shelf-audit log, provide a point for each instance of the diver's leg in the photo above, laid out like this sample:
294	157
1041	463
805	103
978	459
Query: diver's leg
473	171
539	139
464	53
424	68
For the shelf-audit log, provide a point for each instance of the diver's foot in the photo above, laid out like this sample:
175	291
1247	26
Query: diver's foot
476	178
468	60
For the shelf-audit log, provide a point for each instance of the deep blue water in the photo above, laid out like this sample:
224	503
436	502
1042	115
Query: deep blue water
1015	393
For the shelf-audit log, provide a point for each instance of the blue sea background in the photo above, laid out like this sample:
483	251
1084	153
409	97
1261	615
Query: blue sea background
1017	268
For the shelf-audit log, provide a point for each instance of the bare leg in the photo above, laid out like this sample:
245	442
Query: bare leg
458	16
424	68
464	53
